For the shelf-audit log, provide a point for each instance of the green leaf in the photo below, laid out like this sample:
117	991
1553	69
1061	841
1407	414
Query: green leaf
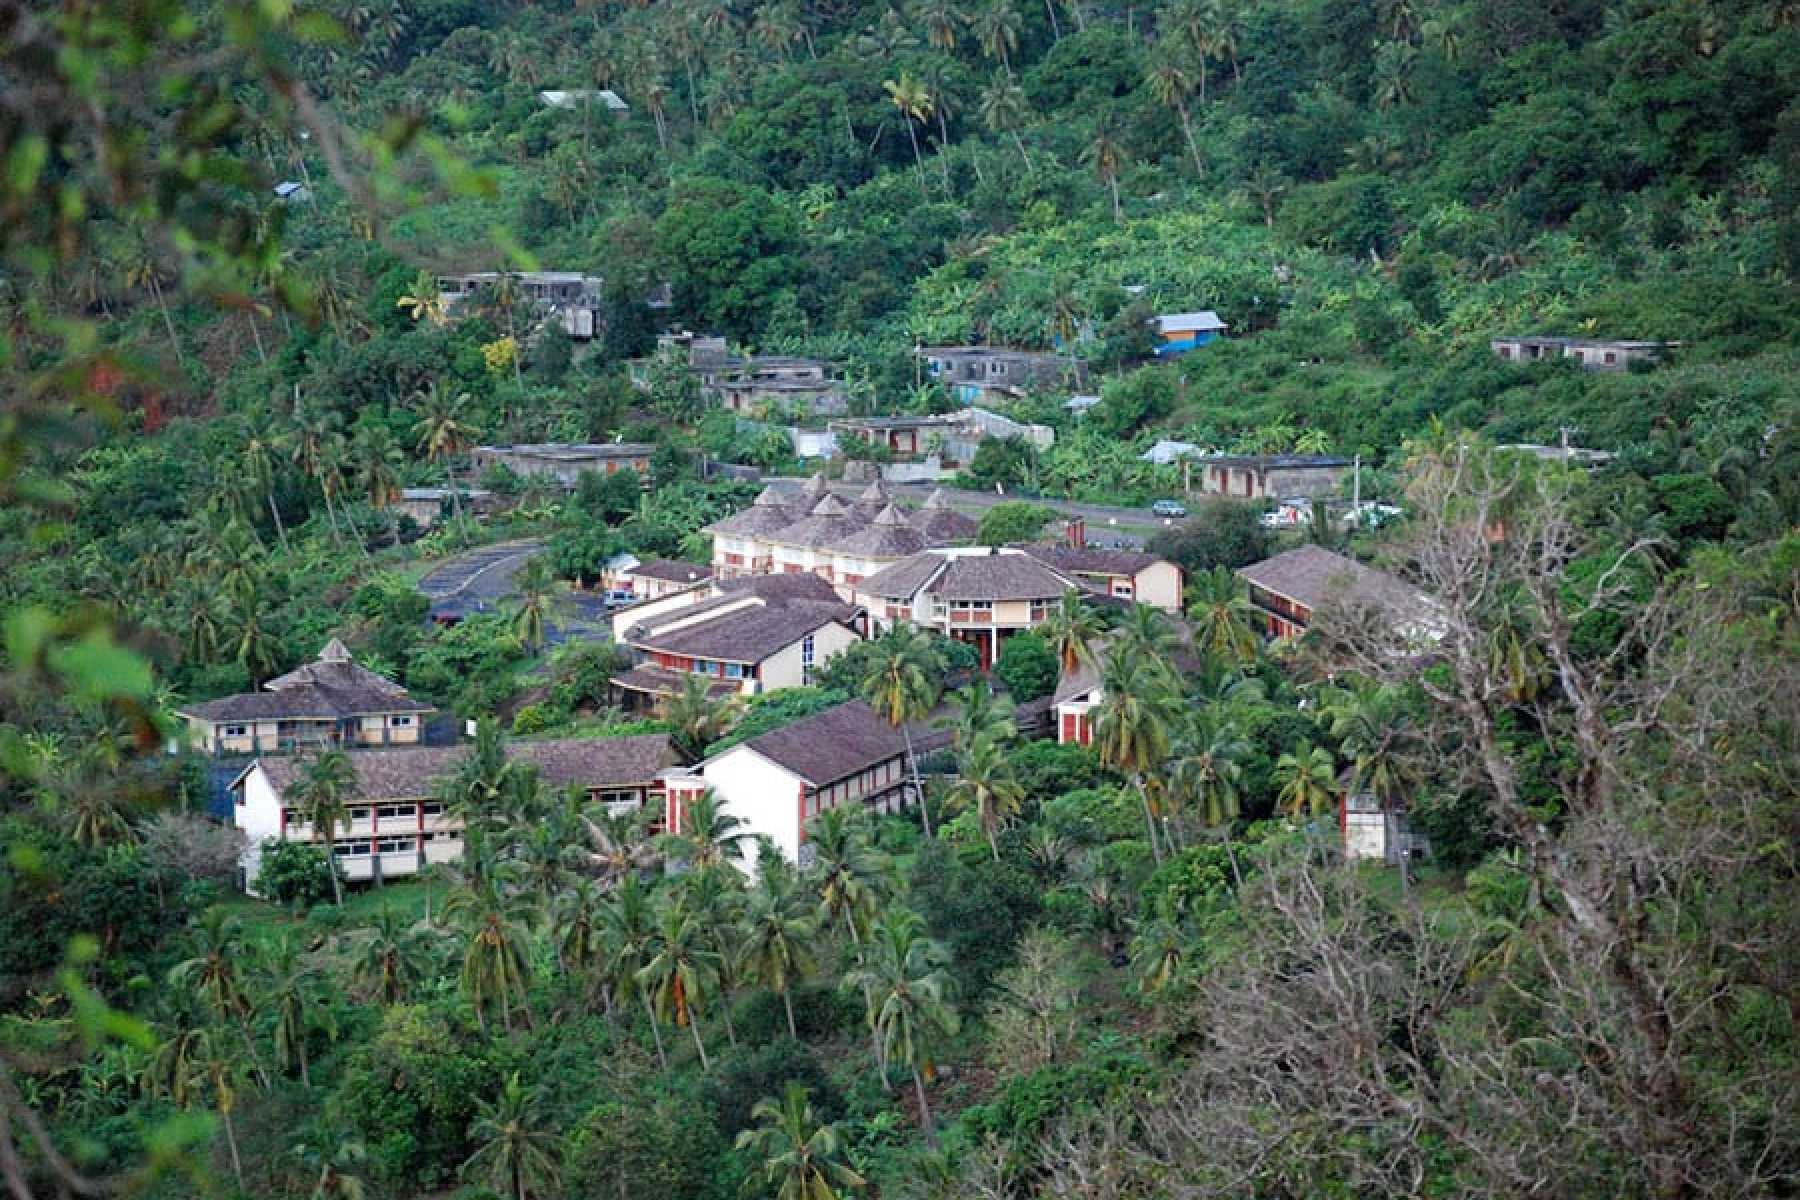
97	668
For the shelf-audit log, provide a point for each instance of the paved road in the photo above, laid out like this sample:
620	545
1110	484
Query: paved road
1106	523
473	582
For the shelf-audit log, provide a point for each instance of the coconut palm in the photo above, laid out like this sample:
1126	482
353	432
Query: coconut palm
215	976
1159	956
626	922
425	301
487	790
1072	629
847	872
1003	110
981	713
996	27
615	844
539	598
323	792
901	975
777	936
514	1150
1205	772
391	959
913	102
802	1159
290	986
331	1159
496	953
1371	724
1171	84
777	26
901	687
256	468
1220	609
942	21
680	970
708	836
375	461
1308	780
697	717
986	783
444	431
1106	155
1145	633
1131	733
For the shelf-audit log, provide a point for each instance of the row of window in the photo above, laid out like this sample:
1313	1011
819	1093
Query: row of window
384	812
875	779
363	847
242	730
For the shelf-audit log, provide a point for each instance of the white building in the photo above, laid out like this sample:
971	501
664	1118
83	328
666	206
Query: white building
396	826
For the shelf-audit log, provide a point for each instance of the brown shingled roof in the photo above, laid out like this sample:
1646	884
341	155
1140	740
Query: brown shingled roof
999	577
1092	560
412	773
941	524
828	746
671	571
1312	575
333	686
887	536
749	634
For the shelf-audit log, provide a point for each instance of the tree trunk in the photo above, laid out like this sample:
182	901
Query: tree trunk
305	1074
925	1121
1020	143
912	763
1149	817
168	322
250	1050
699	1043
1112	181
337	887
1187	129
787	1002
237	1164
943	146
1055	25
256	336
280	529
918	159
656	1032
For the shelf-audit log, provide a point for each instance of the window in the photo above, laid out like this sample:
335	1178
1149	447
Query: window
627	796
1611	357
432	810
236	730
352	849
1122	588
734	670
359	814
807	652
396	811
400	722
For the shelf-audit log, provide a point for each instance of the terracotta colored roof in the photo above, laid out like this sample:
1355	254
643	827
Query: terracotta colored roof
1312	575
1092	561
672	571
828	746
413	773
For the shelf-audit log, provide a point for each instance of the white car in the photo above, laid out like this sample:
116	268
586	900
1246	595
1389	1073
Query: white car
1370	515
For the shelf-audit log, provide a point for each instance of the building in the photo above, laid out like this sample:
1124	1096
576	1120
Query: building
776	783
952	437
1130	576
978	595
744	637
748	395
975	374
748	383
657	578
1268	476
1594	354
292	191
584	98
330	702
807	530
429	505
1572	456
1177	333
1079	406
565	462
1373	832
396	824
1079	693
1288	589
570	296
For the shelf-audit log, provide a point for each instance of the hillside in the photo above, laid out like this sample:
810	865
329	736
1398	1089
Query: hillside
1138	962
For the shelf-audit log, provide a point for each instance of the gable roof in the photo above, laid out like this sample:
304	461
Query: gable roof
411	773
333	686
830	745
671	571
995	575
1313	576
748	634
1092	560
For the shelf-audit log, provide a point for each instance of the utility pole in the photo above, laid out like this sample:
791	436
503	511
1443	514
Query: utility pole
1356	489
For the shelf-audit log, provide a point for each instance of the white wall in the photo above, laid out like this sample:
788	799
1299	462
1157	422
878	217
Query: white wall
259	816
764	796
783	669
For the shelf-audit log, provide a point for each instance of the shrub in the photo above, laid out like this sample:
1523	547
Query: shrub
1027	666
643	1146
294	873
749	1075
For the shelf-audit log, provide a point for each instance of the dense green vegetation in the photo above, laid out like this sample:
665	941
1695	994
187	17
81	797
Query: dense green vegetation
1141	969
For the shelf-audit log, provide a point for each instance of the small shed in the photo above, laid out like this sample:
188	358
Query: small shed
1177	333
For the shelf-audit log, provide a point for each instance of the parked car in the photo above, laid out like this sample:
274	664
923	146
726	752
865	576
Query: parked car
1169	508
1370	515
1288	514
619	598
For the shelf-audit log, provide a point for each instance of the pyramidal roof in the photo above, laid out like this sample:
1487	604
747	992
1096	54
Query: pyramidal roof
335	652
816	486
936	500
828	505
890	516
875	493
771	497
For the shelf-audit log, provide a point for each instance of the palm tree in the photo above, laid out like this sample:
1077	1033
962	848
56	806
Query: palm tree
1308	779
941	19
679	970
981	714
444	431
847	871
1171	85
997	29
487	788
323	792
256	466
1206	772
1107	157
901	973
801	1158
901	687
909	96
496	959
1265	185
1220	610
391	959
1072	630
217	1070
1312	441
513	1149
425	302
617	843
1145	634
213	974
777	937
626	922
1159	956
331	1158
708	836
986	783
1370	723
1003	110
1132	731
1191	23
777	26
696	717
538	601
290	984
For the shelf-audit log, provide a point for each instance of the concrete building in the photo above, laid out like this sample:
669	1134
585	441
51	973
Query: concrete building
572	297
1268	476
1593	354
744	637
328	703
1129	576
1288	589
396	823
975	374
952	438
429	505
565	461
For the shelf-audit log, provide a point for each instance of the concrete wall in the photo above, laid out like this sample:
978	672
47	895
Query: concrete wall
764	796
784	669
1159	585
